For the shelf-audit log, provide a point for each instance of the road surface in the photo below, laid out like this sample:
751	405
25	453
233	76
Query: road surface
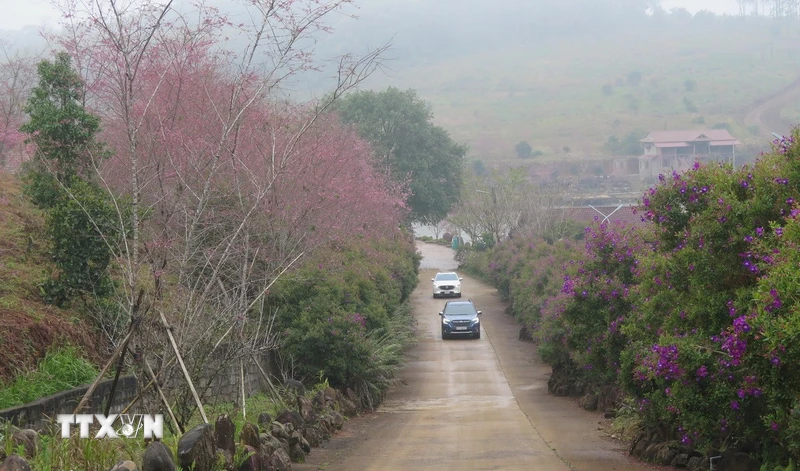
766	114
469	404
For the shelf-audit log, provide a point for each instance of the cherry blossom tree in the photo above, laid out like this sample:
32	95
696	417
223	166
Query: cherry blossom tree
17	77
220	182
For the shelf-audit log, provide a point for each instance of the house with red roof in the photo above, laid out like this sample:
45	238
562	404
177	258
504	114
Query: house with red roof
668	151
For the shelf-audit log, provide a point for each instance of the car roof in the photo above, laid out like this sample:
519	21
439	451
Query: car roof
458	302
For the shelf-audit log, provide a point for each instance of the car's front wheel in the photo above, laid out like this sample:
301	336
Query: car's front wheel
444	335
477	334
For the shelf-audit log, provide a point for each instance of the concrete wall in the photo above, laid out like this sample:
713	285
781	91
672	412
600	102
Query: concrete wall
41	413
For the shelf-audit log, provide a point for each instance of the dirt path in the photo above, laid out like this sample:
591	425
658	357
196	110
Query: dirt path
766	114
472	404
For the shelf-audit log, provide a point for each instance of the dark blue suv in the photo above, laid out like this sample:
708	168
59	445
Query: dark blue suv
460	318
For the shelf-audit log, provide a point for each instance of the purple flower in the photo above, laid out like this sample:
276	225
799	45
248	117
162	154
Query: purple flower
735	405
759	231
778	231
702	372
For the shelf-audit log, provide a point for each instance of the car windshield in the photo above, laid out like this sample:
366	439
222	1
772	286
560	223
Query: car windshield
446	277
464	309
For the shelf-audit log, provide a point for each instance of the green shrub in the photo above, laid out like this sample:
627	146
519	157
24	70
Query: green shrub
343	315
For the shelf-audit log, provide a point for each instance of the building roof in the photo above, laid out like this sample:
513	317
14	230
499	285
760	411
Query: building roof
685	138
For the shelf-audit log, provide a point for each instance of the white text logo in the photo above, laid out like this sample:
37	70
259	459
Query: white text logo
114	425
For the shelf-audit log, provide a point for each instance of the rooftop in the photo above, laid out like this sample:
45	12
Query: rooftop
680	138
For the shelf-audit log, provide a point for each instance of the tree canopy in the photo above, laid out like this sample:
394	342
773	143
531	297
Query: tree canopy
80	217
409	147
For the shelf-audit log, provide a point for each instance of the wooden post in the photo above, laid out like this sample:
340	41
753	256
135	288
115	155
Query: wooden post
120	348
183	366
164	400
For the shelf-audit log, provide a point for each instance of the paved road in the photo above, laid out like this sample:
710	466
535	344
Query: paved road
472	404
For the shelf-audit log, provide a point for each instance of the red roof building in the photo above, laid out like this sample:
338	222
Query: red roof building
668	151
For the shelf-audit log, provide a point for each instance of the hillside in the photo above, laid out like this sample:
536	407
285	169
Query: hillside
28	328
578	89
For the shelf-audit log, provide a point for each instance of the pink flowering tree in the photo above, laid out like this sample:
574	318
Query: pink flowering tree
17	78
221	183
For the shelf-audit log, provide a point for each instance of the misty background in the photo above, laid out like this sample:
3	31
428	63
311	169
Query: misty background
566	77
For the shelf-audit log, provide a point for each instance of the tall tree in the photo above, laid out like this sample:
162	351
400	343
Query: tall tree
211	157
507	204
409	147
80	218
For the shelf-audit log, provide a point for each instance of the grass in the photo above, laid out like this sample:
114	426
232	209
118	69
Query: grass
60	370
56	454
28	327
550	93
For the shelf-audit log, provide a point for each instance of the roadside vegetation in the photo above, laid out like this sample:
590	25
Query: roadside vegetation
138	238
60	370
692	314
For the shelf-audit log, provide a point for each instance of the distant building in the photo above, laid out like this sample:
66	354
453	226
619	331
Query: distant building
668	151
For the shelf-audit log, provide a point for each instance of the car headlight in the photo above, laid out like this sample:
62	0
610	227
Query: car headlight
445	320
476	321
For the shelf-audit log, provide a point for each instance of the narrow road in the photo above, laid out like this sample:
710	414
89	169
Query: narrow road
472	404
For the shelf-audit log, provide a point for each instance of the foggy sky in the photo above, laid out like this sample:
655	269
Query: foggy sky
21	13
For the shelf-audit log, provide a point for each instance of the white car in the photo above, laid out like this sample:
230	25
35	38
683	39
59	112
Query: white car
446	284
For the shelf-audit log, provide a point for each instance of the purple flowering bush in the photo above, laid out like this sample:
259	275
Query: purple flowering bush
695	315
527	272
593	304
709	306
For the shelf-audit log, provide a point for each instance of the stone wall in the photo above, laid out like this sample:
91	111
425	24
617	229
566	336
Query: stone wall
223	386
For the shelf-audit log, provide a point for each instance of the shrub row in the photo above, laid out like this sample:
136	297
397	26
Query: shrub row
343	314
694	314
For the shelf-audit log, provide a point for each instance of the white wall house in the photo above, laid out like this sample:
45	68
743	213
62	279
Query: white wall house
668	151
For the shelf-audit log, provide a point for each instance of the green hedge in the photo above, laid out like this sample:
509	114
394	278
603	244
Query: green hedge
343	315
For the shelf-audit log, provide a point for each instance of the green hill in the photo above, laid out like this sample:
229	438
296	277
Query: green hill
578	89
